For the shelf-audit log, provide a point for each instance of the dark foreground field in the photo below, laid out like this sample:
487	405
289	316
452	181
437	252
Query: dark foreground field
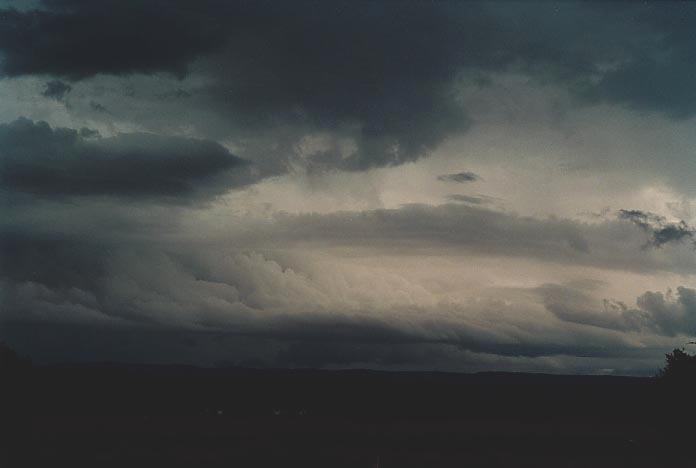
125	416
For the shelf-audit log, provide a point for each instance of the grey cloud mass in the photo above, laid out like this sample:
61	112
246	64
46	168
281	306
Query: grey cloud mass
384	74
316	316
665	314
259	299
56	89
459	177
659	229
126	281
71	30
260	182
39	160
478	230
474	200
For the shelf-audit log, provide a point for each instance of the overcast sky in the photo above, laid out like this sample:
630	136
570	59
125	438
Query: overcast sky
392	185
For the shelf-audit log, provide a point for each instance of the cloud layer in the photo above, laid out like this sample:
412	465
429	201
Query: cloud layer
291	184
38	160
386	76
324	312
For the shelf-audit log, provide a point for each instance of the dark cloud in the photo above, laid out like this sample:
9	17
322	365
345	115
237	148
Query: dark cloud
654	312
174	94
97	107
412	350
77	39
384	74
375	72
89	133
39	160
660	230
459	177
52	260
656	75
56	89
88	343
645	220
474	200
63	343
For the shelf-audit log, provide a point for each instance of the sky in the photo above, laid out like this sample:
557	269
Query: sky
397	185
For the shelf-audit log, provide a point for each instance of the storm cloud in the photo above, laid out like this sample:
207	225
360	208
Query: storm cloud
263	182
81	38
39	160
384	75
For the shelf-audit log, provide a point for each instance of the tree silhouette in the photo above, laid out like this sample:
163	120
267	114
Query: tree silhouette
680	367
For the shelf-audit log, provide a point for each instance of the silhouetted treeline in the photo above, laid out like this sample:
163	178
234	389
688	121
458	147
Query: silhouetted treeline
680	368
